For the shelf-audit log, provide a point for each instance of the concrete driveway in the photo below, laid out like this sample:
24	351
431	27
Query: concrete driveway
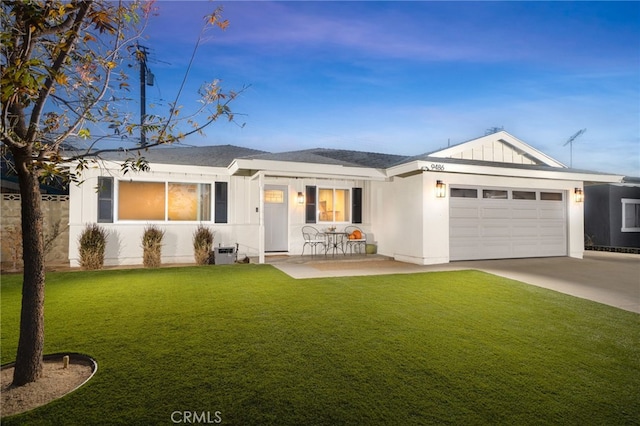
609	278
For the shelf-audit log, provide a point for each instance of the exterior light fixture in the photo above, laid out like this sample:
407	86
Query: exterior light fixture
579	195
441	189
300	198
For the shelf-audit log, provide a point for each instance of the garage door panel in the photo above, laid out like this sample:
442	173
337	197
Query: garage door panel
524	230
498	228
524	213
464	231
465	212
495	212
552	213
552	230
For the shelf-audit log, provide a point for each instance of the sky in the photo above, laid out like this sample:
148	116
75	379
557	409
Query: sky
412	77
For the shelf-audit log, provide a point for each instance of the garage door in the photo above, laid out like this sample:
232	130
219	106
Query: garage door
500	223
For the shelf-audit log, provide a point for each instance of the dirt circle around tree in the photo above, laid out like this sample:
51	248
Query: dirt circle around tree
56	382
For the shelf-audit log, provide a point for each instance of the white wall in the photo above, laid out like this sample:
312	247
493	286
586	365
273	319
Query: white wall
403	215
412	224
124	237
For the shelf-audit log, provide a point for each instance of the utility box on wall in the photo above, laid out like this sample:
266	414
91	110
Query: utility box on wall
224	255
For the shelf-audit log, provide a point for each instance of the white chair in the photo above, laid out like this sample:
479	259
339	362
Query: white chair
356	239
312	238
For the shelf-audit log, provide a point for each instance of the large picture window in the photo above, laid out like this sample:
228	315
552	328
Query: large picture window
164	201
141	200
334	205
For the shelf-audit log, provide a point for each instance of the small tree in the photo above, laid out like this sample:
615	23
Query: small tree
93	242
202	244
63	64
152	246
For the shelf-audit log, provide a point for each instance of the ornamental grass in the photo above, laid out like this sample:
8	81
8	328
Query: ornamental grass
152	246
92	243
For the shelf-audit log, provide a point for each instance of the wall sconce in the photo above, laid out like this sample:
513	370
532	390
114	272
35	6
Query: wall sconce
300	198
441	189
578	195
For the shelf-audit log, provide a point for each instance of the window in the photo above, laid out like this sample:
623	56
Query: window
524	195
630	215
464	193
105	199
334	205
189	201
141	200
356	206
274	196
173	201
494	194
310	204
551	196
221	201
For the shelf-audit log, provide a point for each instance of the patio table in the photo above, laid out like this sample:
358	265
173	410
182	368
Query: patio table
335	242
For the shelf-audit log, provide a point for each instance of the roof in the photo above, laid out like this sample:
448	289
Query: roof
212	156
495	154
339	157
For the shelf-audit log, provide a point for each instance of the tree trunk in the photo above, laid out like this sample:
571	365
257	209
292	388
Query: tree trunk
29	363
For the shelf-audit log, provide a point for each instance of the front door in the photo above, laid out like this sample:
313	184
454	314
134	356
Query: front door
276	225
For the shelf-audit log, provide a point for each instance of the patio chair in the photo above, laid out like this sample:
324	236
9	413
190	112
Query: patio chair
356	239
312	238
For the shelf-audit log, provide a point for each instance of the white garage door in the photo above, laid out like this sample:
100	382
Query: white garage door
500	223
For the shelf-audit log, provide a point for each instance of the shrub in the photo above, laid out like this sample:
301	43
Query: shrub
152	246
202	244
92	241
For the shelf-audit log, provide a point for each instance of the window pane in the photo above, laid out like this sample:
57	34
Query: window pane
274	196
183	201
325	205
464	193
551	196
205	201
631	215
105	199
189	201
494	194
524	195
221	197
141	200
310	208
342	211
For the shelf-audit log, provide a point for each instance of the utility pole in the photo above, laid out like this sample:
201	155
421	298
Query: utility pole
141	53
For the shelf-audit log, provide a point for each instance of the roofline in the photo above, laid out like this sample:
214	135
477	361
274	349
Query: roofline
293	168
507	137
500	169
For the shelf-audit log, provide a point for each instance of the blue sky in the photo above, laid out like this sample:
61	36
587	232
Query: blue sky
412	77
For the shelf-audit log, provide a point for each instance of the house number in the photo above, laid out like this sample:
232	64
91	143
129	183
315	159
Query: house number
437	167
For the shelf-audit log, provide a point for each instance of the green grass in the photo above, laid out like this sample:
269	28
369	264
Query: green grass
261	348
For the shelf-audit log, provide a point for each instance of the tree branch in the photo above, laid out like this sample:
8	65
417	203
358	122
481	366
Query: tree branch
83	9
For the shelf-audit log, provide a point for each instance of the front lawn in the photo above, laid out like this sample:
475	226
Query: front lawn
249	345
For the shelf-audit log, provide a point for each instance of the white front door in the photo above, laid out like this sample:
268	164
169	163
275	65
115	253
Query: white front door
276	224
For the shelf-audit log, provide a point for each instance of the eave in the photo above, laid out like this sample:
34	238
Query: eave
248	167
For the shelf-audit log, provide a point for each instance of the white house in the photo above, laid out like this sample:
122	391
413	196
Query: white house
489	198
